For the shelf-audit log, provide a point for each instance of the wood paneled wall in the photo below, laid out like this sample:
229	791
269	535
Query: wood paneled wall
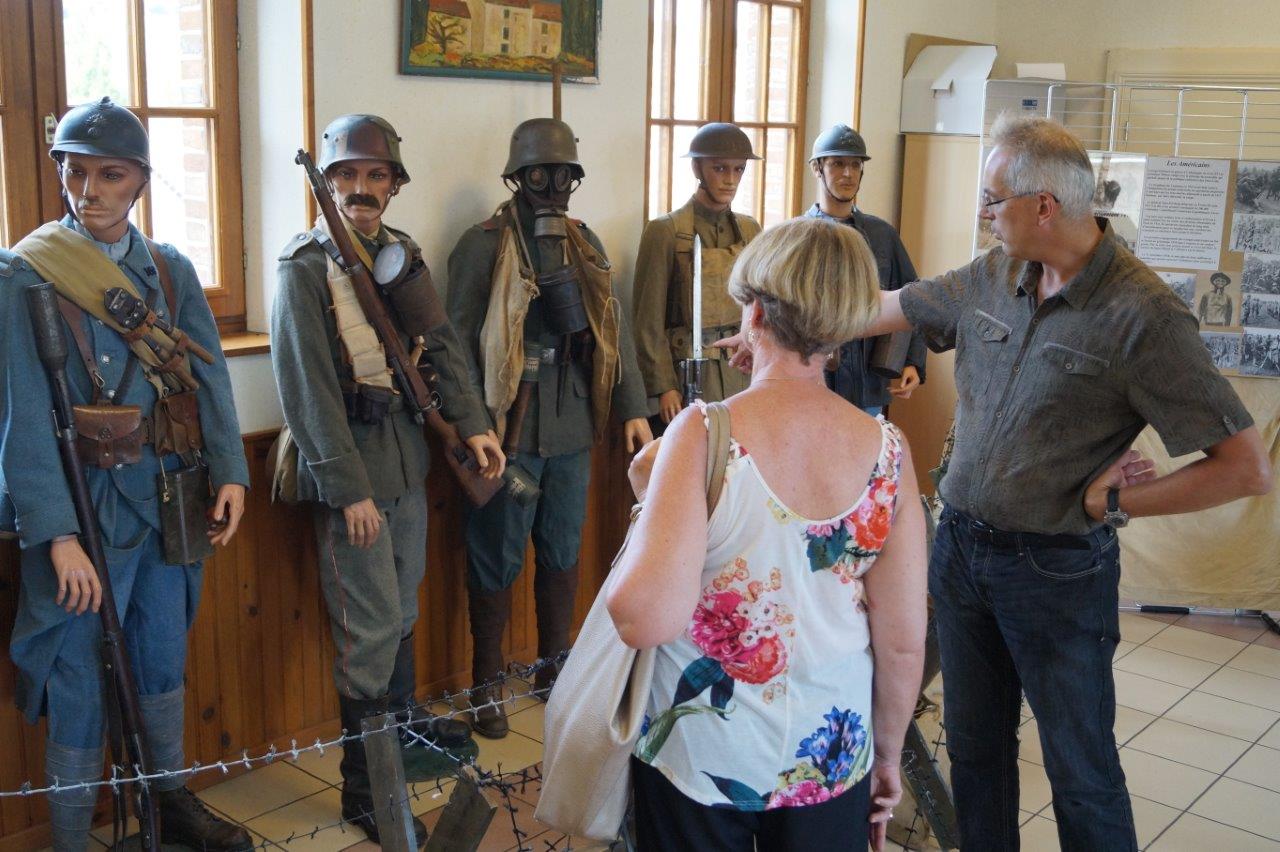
260	654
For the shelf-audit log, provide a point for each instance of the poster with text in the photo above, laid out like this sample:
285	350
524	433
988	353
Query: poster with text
1184	203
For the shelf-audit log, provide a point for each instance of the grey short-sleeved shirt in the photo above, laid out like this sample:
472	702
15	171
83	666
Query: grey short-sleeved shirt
1052	394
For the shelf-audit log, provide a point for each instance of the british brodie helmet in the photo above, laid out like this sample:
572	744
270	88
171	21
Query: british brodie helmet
102	129
721	139
361	137
541	141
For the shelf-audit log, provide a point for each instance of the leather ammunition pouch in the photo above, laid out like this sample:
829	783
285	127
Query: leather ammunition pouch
371	404
185	501
177	419
108	435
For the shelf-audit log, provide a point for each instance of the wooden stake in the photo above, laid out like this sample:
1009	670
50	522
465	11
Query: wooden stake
557	69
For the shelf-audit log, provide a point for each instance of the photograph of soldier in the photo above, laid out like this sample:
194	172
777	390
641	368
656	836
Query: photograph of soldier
1260	353
838	160
362	457
1216	307
1261	311
183	419
1255	233
663	288
1117	192
1258	188
532	295
1182	283
1261	274
1223	348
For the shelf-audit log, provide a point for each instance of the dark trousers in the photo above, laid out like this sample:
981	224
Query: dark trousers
669	821
1036	614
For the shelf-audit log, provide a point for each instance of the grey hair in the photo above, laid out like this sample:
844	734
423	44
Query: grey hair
1045	157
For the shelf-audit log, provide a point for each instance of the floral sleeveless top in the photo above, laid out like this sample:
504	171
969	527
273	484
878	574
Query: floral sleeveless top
765	700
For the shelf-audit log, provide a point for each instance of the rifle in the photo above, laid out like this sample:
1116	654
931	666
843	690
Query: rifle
415	387
123	713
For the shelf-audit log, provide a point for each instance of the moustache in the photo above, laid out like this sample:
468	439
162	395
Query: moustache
358	200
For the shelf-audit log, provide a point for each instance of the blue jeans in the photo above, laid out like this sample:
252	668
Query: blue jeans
1036	614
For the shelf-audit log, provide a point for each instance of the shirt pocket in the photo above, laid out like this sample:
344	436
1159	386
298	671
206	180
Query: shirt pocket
1073	361
1075	381
992	335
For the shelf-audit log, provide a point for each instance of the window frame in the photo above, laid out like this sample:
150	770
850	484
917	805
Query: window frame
720	48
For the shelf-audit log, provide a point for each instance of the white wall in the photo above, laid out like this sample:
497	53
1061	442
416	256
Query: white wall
1081	32
833	45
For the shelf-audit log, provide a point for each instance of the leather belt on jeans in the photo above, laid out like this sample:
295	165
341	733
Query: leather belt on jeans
1008	540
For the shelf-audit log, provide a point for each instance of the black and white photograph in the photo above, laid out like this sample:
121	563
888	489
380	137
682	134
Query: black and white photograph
1261	274
1218	296
1117	193
1182	283
1260	311
1223	348
1258	188
1260	353
1255	233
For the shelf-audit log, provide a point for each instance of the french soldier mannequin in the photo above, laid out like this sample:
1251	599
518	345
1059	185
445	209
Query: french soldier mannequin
103	158
663	287
362	458
532	296
838	159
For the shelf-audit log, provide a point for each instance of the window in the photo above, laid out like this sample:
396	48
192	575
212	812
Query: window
173	62
728	60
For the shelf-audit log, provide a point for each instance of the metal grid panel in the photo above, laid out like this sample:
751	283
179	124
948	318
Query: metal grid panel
1158	119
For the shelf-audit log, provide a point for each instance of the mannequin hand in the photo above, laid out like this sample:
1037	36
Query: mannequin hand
488	453
642	468
740	353
909	381
227	510
669	405
363	523
637	433
78	586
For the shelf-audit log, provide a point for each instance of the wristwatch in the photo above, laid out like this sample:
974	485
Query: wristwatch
1115	516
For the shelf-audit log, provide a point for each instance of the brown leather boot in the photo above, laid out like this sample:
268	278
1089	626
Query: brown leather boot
489	614
554	593
185	821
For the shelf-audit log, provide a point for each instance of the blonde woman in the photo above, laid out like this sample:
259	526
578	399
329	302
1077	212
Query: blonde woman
790	624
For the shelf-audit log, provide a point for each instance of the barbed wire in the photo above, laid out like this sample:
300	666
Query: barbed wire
515	672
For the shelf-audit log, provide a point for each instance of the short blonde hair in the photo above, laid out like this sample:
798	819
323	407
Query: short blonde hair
816	280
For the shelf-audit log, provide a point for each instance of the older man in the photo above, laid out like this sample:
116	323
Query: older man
1067	346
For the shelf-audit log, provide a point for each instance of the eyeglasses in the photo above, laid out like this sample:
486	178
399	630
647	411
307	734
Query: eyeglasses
987	205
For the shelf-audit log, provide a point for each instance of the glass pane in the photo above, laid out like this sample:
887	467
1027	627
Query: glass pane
4	195
657	170
97	38
777	176
683	183
784	47
691	60
177	53
659	60
748	75
182	189
745	201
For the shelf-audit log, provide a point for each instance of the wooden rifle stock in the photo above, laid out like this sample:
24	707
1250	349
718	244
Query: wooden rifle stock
417	395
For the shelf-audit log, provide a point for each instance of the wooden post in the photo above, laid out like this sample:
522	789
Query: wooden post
557	71
386	778
465	819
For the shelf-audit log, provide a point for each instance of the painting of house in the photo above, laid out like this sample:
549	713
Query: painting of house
515	39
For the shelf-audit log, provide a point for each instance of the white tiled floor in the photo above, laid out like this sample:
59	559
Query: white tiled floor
1198	721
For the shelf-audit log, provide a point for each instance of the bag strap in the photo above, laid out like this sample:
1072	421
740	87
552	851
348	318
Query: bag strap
166	279
74	318
717	414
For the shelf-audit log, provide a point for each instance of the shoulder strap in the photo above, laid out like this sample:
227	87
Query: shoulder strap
75	320
166	279
682	221
717	414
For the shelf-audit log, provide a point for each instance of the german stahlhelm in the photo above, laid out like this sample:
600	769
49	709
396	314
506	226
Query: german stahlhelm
542	141
102	129
361	137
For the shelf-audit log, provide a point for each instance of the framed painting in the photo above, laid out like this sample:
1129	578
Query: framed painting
508	39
